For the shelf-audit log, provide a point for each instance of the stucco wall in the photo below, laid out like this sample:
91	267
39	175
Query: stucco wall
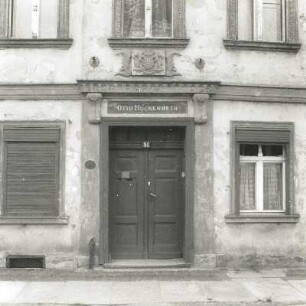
262	239
54	241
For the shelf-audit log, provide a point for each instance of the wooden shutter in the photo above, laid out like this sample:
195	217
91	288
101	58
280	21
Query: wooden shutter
262	135
31	171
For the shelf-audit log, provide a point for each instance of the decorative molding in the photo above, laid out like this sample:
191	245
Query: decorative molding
148	62
200	108
118	18
176	43
261	46
5	26
36	43
126	66
63	19
232	19
292	31
170	67
147	86
262	218
179	28
94	110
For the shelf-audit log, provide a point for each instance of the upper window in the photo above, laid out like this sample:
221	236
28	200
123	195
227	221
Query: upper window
149	19
262	169
36	20
263	21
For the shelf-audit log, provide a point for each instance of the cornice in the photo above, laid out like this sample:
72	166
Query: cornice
39	92
148	87
216	91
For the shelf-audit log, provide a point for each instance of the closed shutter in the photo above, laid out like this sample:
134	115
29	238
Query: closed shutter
31	171
262	135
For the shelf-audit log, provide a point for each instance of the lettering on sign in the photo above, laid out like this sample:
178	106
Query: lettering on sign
147	108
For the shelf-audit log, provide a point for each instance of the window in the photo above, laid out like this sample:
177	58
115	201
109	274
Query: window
262	172
263	24
262	177
31	171
43	23
148	19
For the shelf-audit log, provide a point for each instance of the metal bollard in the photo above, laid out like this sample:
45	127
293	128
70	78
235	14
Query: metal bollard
92	251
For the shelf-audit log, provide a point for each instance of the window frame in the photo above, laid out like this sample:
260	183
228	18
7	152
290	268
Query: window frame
265	130
178	39
60	217
290	42
62	41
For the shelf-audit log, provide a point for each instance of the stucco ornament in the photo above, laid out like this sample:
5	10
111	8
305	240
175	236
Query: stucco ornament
149	62
94	109
200	108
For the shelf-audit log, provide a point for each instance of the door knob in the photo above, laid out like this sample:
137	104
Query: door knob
152	195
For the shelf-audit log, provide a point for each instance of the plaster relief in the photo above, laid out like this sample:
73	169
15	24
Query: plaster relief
94	109
148	62
200	108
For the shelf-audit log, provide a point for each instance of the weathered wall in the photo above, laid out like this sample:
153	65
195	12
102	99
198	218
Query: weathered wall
260	239
58	242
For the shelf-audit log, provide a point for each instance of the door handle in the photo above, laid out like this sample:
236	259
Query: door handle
153	195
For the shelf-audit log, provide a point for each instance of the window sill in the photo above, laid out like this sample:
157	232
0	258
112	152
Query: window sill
36	220
256	218
56	43
261	46
117	43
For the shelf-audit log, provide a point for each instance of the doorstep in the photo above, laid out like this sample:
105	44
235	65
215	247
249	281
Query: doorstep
147	264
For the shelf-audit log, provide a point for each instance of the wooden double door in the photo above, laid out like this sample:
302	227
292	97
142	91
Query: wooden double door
146	195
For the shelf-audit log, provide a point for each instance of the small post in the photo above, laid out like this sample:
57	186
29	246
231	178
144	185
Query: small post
92	251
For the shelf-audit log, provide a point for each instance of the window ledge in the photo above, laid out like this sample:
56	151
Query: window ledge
117	43
36	220
262	218
261	46
56	43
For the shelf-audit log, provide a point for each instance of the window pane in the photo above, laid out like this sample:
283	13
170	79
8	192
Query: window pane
273	187
48	18
245	19
272	20
272	150
22	19
134	18
247	186
162	18
248	150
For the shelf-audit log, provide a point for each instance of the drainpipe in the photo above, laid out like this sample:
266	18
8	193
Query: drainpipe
92	251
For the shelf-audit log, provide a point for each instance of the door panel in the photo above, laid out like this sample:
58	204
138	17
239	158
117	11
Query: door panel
166	208
146	195
126	206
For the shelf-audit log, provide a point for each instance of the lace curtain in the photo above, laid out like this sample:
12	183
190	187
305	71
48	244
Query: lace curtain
273	187
134	18
247	186
162	18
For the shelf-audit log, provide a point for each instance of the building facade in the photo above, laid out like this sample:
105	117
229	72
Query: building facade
162	129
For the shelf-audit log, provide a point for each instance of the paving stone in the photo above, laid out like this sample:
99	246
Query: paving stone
299	285
10	290
93	292
275	290
227	292
182	291
40	292
135	292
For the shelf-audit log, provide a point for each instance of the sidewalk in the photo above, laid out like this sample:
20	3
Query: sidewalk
266	287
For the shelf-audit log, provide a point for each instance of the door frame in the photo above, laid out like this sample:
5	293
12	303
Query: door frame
188	244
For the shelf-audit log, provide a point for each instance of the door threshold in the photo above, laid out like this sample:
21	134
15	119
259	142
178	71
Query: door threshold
146	263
